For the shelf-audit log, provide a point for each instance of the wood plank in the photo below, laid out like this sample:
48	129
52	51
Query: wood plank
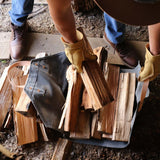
82	130
62	149
51	44
101	53
23	104
73	99
102	58
95	84
124	109
25	127
5	96
107	113
94	81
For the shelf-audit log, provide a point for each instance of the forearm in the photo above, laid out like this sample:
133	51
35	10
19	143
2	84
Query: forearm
154	38
62	15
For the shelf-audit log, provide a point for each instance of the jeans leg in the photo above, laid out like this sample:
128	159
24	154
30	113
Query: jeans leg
114	29
20	10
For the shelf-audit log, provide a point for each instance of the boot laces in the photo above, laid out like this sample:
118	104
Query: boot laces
18	31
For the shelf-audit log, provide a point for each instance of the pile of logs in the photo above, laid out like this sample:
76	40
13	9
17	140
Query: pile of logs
99	103
15	104
85	118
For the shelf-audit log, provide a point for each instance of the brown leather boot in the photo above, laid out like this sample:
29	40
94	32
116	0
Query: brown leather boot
18	42
125	52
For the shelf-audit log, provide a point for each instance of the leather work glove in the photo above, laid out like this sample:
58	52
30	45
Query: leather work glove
151	67
78	52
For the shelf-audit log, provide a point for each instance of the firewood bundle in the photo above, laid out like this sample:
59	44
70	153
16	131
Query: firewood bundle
83	118
15	104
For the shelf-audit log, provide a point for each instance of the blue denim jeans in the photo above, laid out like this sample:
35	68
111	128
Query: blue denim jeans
114	29
20	11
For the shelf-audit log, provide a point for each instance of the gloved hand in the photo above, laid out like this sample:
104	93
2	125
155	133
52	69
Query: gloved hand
151	67
77	52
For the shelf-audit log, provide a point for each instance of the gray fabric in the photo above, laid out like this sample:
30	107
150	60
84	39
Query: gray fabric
46	87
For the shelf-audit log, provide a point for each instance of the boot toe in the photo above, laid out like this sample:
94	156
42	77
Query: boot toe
17	52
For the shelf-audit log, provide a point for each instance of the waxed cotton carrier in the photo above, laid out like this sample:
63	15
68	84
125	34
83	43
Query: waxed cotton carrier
47	87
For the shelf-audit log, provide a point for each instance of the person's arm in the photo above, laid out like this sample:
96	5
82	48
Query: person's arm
75	48
154	38
151	67
62	15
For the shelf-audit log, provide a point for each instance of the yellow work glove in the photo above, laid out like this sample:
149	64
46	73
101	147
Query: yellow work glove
77	52
151	67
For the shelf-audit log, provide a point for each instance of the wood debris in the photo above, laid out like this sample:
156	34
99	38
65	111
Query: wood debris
6	152
62	149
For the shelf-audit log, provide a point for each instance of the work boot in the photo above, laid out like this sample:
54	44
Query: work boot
18	41
125	52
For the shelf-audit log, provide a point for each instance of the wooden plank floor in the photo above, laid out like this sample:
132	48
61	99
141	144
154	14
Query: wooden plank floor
51	44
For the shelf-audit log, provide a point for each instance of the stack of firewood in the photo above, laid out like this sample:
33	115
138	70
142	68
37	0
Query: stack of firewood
84	117
15	104
99	104
90	110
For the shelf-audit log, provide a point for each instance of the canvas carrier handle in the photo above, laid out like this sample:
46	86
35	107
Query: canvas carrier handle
16	64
